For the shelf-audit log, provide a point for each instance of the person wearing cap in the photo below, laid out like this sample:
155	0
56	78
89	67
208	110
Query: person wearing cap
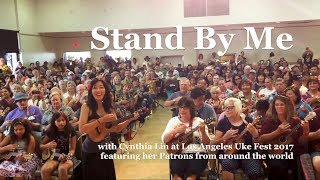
252	75
30	112
297	82
204	110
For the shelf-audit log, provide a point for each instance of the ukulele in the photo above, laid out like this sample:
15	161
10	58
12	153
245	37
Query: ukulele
11	155
52	155
284	140
97	134
239	138
183	138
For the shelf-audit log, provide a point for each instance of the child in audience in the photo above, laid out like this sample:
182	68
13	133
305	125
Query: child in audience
21	145
59	138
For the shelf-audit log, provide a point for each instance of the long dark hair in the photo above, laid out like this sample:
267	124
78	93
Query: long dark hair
290	81
296	92
107	101
25	124
289	108
53	129
9	90
188	102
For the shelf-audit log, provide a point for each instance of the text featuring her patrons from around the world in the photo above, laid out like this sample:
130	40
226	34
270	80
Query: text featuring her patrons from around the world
148	151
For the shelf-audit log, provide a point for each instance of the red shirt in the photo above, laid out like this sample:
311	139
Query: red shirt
269	125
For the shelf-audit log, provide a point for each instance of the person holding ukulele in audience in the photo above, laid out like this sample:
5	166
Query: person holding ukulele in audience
59	138
281	121
187	168
229	128
314	143
93	118
21	145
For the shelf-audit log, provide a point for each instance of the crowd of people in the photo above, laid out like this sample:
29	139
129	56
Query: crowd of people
81	96
263	103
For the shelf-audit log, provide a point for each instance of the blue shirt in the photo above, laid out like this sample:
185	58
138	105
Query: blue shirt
21	113
175	112
206	112
302	114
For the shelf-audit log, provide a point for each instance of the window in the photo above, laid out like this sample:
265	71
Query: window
119	54
76	55
200	8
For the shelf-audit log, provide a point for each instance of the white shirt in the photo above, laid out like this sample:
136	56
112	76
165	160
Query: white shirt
196	146
303	90
266	92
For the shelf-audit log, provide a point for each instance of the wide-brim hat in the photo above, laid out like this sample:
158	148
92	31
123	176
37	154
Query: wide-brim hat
20	96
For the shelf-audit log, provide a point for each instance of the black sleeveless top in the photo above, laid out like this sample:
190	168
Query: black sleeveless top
89	146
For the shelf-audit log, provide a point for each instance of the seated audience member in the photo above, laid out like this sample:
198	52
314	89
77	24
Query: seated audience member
301	108
6	103
21	141
203	110
314	143
279	124
37	99
313	95
268	90
32	113
74	103
125	99
202	83
279	87
57	106
71	92
184	85
216	102
60	138
297	82
227	129
187	168
225	92
247	96
236	79
259	82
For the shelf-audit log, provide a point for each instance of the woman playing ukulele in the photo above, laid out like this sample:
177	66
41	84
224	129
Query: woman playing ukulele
280	123
229	128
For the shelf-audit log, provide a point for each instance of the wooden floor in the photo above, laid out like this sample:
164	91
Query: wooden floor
150	134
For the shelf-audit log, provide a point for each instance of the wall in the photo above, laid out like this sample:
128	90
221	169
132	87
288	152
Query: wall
8	15
84	15
21	15
302	37
36	48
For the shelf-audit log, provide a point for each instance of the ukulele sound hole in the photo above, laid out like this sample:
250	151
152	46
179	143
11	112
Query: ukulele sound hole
283	139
